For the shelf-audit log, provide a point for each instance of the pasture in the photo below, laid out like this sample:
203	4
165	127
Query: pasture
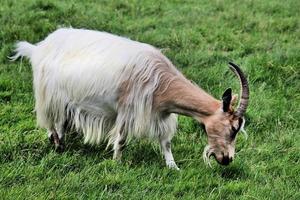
200	38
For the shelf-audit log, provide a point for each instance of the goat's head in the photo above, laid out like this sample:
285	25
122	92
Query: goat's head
223	126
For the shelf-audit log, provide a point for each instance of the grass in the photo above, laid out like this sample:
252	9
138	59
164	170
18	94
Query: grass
200	38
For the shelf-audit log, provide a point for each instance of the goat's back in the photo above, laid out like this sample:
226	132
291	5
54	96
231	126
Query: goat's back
83	59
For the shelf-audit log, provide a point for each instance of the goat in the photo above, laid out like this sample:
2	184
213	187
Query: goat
112	88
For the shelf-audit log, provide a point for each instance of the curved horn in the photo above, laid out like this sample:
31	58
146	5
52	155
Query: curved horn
244	89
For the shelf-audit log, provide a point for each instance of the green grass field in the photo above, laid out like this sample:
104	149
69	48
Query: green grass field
199	37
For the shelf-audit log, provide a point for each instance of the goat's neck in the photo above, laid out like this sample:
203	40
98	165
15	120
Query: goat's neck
183	97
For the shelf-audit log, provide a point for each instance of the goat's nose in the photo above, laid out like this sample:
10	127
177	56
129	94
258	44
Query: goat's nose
226	160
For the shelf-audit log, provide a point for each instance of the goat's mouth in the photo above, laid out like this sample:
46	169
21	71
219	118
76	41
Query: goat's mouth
208	152
220	160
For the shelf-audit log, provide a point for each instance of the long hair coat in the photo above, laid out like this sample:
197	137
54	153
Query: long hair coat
99	83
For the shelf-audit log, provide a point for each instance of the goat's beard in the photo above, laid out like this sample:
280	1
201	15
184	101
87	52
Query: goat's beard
207	152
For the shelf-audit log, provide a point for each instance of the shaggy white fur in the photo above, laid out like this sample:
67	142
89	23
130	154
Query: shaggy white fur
77	77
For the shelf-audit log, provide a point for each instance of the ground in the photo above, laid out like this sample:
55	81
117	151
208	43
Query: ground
199	37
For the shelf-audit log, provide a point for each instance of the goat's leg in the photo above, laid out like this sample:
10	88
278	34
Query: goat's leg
55	136
165	144
50	136
119	145
61	128
54	139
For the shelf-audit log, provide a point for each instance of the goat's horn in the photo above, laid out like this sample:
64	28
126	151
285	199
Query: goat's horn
244	89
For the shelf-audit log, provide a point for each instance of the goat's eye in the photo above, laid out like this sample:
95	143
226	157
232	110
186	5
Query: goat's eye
233	133
234	130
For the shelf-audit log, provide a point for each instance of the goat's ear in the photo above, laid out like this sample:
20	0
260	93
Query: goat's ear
227	99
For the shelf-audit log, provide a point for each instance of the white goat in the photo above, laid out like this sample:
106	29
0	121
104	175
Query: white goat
110	87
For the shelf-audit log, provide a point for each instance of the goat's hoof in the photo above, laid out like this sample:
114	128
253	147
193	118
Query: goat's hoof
58	144
51	139
59	148
172	165
117	159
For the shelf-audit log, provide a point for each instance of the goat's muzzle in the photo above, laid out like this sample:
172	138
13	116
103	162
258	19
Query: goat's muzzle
222	159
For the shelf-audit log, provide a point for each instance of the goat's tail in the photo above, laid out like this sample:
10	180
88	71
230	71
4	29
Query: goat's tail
23	49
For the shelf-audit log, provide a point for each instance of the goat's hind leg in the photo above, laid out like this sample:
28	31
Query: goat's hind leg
56	135
165	144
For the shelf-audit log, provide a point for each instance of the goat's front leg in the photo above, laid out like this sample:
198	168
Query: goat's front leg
165	144
119	145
